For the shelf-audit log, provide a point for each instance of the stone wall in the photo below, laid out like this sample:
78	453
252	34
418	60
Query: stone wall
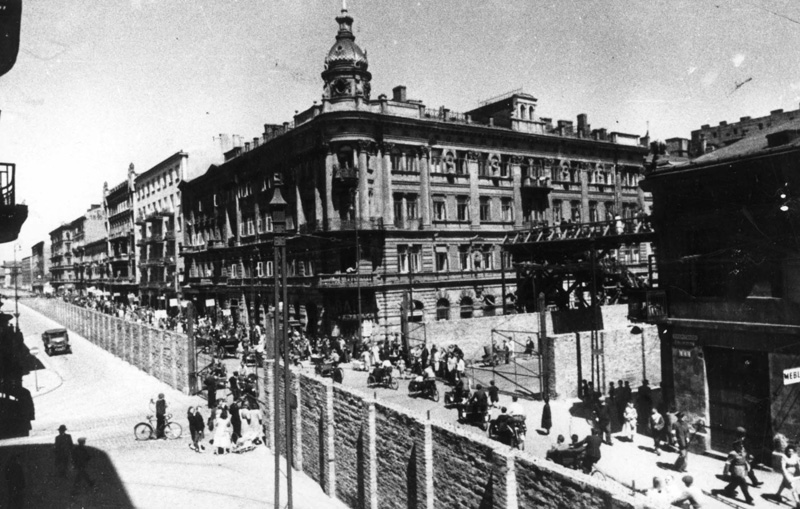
377	455
162	354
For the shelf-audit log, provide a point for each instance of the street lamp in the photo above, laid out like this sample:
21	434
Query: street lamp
278	207
15	272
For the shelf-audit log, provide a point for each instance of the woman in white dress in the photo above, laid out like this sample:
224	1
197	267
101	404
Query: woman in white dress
222	433
790	465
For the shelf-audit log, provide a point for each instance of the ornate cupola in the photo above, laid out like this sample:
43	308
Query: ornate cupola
345	74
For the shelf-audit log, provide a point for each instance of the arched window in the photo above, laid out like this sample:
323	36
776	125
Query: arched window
443	309
523	112
489	306
530	112
466	307
417	312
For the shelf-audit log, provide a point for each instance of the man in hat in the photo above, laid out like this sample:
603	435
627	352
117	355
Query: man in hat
80	460
682	439
63	451
741	435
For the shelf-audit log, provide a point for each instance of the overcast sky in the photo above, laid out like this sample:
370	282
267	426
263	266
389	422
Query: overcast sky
100	84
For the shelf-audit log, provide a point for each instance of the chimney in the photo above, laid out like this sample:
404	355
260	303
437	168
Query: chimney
583	126
399	94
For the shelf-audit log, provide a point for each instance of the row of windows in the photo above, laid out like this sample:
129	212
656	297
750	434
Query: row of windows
470	258
157	183
261	269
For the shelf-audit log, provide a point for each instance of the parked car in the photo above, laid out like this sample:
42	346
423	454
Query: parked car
56	341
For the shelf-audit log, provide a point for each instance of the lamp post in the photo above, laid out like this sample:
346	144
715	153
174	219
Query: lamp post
15	272
278	206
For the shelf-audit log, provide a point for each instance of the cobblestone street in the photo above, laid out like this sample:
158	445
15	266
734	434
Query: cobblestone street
100	397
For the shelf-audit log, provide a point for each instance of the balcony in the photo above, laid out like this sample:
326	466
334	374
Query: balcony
122	257
118	234
372	223
536	183
346	280
216	244
169	235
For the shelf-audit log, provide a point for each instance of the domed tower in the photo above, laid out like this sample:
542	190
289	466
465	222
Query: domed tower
345	74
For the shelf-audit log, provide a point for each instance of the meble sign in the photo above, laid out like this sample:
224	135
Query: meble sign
791	376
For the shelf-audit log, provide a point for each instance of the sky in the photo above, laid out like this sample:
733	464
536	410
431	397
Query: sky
101	84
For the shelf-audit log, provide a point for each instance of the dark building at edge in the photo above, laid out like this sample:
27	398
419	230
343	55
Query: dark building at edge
727	228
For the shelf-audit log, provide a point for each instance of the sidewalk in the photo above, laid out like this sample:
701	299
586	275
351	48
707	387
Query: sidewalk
101	397
635	464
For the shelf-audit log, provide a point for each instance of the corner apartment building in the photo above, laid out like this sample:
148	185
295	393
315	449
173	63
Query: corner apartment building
159	230
119	205
396	212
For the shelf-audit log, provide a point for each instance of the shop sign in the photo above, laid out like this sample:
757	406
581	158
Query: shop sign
173	302
210	303
684	340
791	376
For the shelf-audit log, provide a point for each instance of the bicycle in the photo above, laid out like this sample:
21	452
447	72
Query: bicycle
146	430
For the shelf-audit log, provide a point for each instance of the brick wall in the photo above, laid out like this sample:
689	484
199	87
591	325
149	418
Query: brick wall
159	353
625	356
377	455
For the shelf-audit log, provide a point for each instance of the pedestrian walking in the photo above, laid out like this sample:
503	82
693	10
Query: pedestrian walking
63	451
603	418
222	433
737	468
80	460
161	416
233	382
15	483
547	416
790	469
644	403
211	388
682	439
657	429
197	427
236	422
742	438
630	417
494	393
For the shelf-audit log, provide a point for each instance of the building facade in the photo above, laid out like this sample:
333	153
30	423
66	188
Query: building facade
726	226
709	138
86	230
62	271
159	225
119	205
396	211
40	266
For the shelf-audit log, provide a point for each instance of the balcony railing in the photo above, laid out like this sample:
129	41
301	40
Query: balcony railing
346	280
